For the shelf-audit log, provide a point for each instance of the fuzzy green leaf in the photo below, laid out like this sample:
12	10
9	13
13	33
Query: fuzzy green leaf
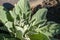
13	14
9	25
25	7
3	16
19	34
40	16
38	36
50	29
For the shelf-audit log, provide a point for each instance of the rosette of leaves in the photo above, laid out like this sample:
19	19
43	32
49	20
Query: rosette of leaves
20	25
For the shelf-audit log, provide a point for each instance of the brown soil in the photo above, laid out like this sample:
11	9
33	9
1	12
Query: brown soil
8	1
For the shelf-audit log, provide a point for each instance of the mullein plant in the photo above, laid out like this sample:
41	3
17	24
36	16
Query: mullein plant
20	25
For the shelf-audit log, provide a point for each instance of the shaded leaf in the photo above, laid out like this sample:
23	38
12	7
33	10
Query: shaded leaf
38	36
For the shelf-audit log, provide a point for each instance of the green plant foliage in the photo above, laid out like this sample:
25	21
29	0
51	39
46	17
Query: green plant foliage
38	36
3	16
20	25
